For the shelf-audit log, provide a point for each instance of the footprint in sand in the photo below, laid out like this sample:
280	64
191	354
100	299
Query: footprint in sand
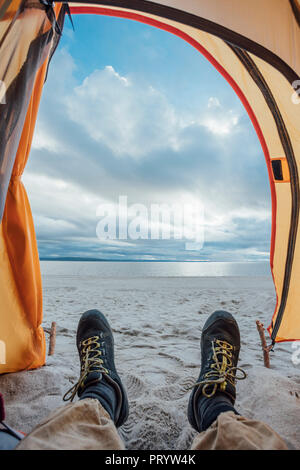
156	428
134	386
170	392
245	365
183	301
128	332
177	390
171	378
127	429
173	358
188	383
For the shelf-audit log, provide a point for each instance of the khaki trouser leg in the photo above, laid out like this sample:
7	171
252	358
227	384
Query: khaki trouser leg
86	425
83	425
234	432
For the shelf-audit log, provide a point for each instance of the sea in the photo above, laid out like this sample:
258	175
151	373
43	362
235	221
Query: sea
133	269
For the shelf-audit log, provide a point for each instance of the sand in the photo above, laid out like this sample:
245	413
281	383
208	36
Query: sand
157	325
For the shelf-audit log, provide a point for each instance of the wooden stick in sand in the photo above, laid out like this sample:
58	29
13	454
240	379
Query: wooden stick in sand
52	340
266	350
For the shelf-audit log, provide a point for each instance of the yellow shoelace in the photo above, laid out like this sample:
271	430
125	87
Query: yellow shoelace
223	368
88	364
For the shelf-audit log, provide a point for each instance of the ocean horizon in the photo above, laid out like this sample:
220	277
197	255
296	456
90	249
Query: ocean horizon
152	268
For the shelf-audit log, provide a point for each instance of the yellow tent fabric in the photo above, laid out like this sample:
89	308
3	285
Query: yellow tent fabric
254	44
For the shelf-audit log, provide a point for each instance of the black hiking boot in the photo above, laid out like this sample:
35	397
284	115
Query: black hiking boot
214	392
98	376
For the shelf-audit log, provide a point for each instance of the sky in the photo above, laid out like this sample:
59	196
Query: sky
129	110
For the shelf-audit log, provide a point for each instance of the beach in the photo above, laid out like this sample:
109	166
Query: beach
157	324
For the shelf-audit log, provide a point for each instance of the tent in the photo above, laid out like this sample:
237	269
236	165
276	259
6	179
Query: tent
254	44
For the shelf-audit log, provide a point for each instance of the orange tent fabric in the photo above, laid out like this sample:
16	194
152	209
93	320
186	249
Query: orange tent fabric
20	286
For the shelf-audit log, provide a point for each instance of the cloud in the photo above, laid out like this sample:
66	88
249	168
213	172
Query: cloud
128	119
213	102
110	135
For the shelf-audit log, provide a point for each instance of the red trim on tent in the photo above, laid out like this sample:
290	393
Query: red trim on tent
177	32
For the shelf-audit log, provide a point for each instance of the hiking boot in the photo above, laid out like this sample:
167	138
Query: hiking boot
98	376
215	391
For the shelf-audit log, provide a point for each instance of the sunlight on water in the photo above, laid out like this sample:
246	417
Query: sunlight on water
153	269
